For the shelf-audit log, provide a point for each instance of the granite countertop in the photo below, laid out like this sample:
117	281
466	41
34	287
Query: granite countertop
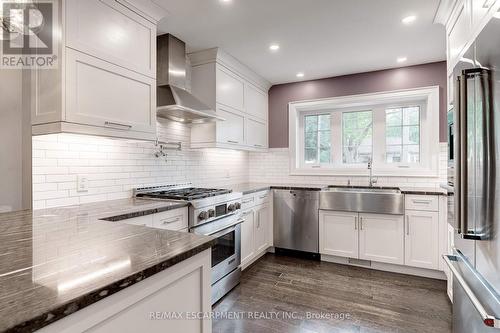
54	262
248	188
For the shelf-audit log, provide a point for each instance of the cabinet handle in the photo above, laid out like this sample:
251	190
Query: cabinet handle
247	201
263	196
177	219
426	202
259	146
231	141
245	213
112	124
407	225
355	223
258	223
360	223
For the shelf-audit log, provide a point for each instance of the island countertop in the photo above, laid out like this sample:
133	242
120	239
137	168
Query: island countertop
54	262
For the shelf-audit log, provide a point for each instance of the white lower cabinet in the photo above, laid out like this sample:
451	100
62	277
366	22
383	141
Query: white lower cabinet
183	288
381	238
262	219
257	229
247	237
338	233
421	239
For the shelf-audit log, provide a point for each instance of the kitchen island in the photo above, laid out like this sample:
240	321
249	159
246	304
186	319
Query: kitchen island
67	270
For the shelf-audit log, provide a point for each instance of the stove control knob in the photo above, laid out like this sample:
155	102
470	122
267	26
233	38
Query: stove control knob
231	208
237	205
203	216
211	213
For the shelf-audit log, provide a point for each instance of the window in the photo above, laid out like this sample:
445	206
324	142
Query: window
317	139
357	137
402	135
398	131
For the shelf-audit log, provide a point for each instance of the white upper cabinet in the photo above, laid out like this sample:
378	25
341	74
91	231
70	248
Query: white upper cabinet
106	81
108	30
101	94
256	102
464	20
230	131
237	95
256	133
229	89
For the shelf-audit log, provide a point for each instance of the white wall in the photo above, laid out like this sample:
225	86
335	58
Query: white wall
114	167
274	166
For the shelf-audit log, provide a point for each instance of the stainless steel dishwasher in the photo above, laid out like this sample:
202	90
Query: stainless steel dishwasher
296	220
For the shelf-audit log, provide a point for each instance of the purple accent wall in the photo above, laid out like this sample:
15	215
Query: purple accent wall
432	74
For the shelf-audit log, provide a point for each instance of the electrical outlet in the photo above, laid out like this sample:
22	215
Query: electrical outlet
82	184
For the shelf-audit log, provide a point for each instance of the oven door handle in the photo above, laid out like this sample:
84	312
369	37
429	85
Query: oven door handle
232	225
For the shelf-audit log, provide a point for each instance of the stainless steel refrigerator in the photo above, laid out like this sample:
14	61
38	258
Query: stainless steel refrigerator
475	178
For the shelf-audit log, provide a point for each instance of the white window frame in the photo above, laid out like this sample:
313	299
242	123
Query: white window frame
428	100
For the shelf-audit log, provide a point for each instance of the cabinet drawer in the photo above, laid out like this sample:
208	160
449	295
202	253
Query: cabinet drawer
247	201
146	220
112	32
176	219
101	94
422	202
262	197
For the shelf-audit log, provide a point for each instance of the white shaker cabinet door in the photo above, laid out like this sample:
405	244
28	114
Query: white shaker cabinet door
338	233
101	94
421	239
110	31
381	238
229	89
256	102
262	219
232	129
247	237
256	133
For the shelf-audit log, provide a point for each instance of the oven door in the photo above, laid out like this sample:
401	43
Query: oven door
226	255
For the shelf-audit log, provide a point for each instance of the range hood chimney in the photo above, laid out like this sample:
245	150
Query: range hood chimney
174	102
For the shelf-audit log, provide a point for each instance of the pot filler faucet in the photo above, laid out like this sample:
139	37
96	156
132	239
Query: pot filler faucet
372	181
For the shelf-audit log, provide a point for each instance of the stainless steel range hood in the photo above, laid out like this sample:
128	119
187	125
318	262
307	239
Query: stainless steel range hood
174	102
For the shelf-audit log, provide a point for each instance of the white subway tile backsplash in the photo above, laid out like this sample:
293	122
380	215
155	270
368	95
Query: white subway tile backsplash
114	167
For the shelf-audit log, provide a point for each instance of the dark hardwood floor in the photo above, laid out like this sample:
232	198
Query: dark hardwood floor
371	301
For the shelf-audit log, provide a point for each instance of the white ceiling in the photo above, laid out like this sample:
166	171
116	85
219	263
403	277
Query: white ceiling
321	38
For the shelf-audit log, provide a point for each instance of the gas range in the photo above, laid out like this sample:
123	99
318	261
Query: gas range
206	204
213	212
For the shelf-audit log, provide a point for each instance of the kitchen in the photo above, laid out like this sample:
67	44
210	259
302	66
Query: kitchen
216	166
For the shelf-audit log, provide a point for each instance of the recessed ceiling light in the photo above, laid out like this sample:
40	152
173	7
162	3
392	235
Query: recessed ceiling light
300	74
401	59
409	19
274	47
225	1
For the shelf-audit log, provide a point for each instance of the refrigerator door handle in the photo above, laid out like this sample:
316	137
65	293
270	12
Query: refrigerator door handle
489	172
488	319
459	91
461	200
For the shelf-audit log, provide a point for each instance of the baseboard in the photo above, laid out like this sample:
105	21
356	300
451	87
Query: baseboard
428	273
254	260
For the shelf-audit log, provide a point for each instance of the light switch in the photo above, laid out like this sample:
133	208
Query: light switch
82	184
